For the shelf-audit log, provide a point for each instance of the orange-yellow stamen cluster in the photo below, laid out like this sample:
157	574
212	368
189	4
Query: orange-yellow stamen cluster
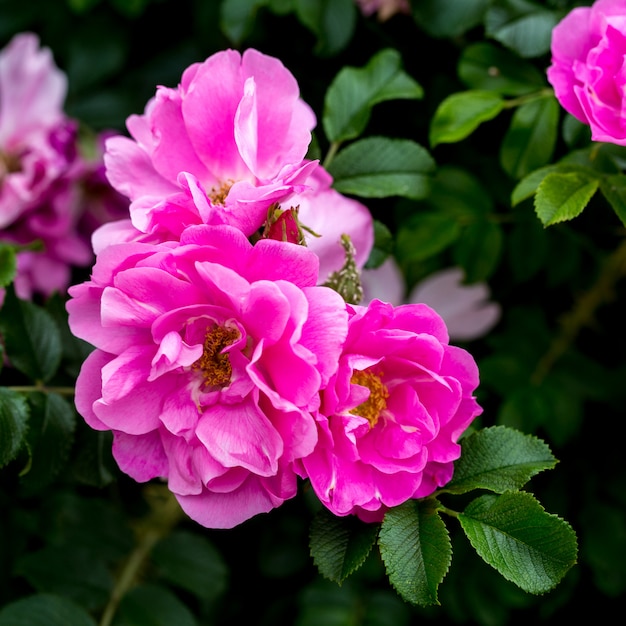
377	401
214	364
218	194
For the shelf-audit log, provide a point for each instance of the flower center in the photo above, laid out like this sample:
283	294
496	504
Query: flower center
9	163
214	364
218	194
377	401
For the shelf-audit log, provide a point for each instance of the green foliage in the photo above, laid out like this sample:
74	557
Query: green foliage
14	415
415	547
44	609
354	91
378	167
340	545
513	533
7	265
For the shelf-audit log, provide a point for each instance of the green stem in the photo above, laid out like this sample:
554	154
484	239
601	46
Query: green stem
332	151
529	97
164	515
583	312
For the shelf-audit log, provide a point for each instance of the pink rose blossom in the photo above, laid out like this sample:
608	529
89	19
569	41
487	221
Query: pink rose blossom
210	355
391	416
46	191
588	72
220	148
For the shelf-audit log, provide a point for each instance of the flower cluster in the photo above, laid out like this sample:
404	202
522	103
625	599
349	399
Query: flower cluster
587	70
47	188
224	362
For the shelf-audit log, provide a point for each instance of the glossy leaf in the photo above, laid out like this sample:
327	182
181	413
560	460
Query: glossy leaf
237	18
340	545
613	188
332	21
32	339
485	66
44	609
153	605
415	547
531	137
7	264
563	196
449	18
378	167
515	535
460	114
499	459
14	413
354	91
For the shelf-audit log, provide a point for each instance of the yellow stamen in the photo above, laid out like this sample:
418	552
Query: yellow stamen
214	364
218	194
377	401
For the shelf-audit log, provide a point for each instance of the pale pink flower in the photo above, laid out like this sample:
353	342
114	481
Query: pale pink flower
220	148
391	417
466	309
210	355
384	9
587	70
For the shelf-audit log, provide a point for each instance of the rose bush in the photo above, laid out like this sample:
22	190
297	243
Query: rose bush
587	70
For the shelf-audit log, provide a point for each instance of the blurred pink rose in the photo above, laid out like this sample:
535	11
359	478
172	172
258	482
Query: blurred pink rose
466	309
391	416
220	148
210	355
587	71
384	8
47	195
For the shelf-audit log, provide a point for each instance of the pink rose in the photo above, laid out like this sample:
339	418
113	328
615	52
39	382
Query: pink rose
383	8
391	416
587	71
220	148
210	355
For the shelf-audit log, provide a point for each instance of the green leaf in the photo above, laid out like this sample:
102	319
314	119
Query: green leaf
332	21
191	562
460	114
378	167
340	545
14	414
479	249
32	339
424	235
354	91
50	437
487	67
449	18
152	605
415	547
613	188
499	459
563	196
237	18
8	264
44	609
529	141
69	572
515	535
526	28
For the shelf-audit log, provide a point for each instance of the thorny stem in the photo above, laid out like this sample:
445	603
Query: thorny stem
582	313
165	514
